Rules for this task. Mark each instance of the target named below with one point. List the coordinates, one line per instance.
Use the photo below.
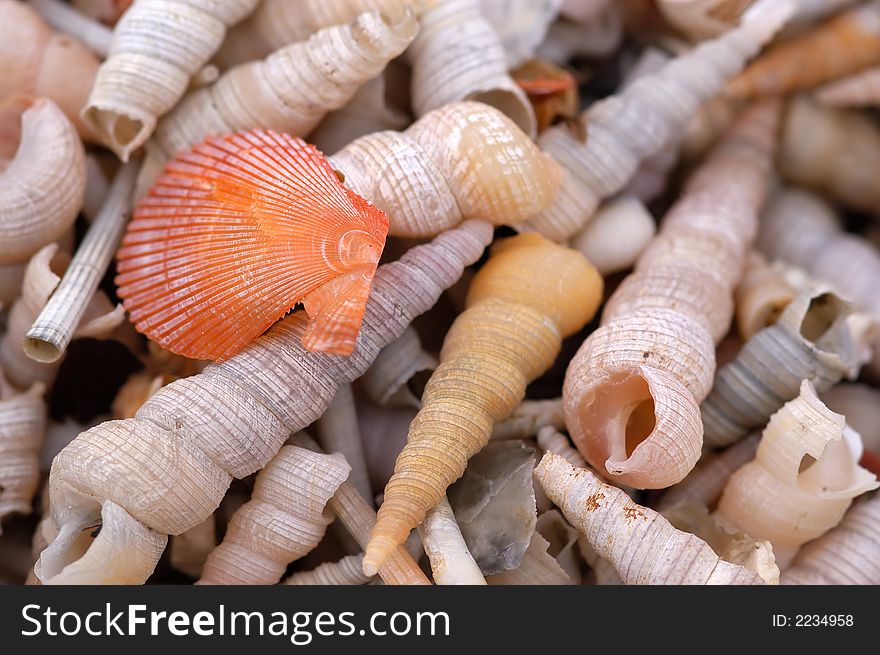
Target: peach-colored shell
(526, 298)
(34, 60)
(234, 234)
(169, 467)
(841, 45)
(632, 392)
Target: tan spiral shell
(191, 437)
(639, 543)
(346, 571)
(158, 45)
(283, 521)
(632, 392)
(801, 482)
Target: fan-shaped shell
(238, 231)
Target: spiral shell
(810, 341)
(619, 233)
(290, 91)
(451, 561)
(521, 25)
(283, 521)
(520, 305)
(42, 188)
(388, 380)
(346, 571)
(170, 466)
(700, 19)
(801, 482)
(339, 433)
(640, 544)
(761, 296)
(464, 160)
(841, 45)
(158, 45)
(193, 293)
(632, 392)
(22, 426)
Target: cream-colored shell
(387, 380)
(624, 129)
(860, 89)
(63, 17)
(700, 19)
(529, 418)
(42, 188)
(846, 554)
(346, 571)
(614, 239)
(170, 466)
(458, 56)
(801, 482)
(22, 426)
(762, 295)
(451, 561)
(520, 24)
(464, 160)
(188, 551)
(290, 91)
(810, 341)
(283, 521)
(158, 45)
(860, 404)
(337, 431)
(597, 35)
(642, 546)
(553, 441)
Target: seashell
(389, 380)
(761, 296)
(521, 25)
(193, 435)
(706, 480)
(338, 433)
(369, 110)
(383, 433)
(451, 561)
(638, 542)
(22, 426)
(189, 550)
(523, 302)
(41, 63)
(325, 242)
(733, 547)
(528, 419)
(810, 341)
(54, 327)
(551, 90)
(42, 188)
(134, 393)
(602, 571)
(701, 19)
(346, 571)
(465, 159)
(97, 186)
(106, 11)
(583, 11)
(838, 157)
(595, 36)
(860, 404)
(61, 16)
(809, 10)
(537, 567)
(290, 91)
(283, 521)
(805, 468)
(860, 89)
(458, 56)
(152, 57)
(563, 539)
(632, 392)
(278, 23)
(11, 276)
(624, 129)
(707, 124)
(837, 47)
(846, 554)
(494, 505)
(552, 440)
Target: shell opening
(77, 525)
(832, 472)
(625, 407)
(823, 311)
(511, 105)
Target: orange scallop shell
(235, 233)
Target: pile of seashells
(440, 291)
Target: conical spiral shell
(346, 571)
(458, 56)
(42, 188)
(278, 23)
(632, 392)
(624, 129)
(810, 341)
(839, 46)
(465, 159)
(642, 545)
(847, 554)
(529, 295)
(834, 151)
(158, 45)
(801, 482)
(236, 232)
(284, 520)
(290, 91)
(22, 427)
(169, 466)
(761, 296)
